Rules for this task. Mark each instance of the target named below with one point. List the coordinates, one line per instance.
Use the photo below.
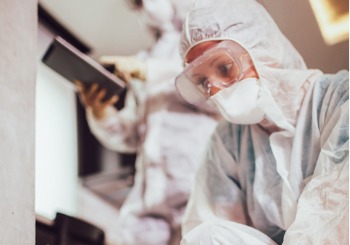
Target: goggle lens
(218, 67)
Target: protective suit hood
(280, 67)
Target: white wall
(56, 139)
(17, 115)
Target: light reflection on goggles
(220, 66)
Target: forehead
(199, 49)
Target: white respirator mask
(239, 103)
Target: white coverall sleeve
(323, 208)
(118, 130)
(216, 212)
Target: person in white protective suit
(168, 134)
(277, 169)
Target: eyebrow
(210, 64)
(213, 61)
(196, 75)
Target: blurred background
(74, 173)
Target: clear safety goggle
(220, 66)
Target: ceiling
(110, 27)
(107, 26)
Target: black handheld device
(73, 65)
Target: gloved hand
(93, 98)
(127, 67)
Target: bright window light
(333, 19)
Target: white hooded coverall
(168, 135)
(290, 186)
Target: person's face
(197, 51)
(220, 69)
(212, 66)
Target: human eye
(201, 83)
(225, 69)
